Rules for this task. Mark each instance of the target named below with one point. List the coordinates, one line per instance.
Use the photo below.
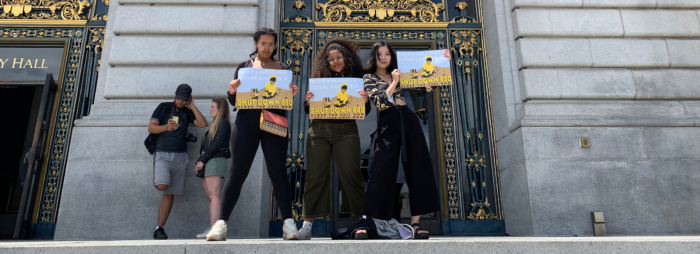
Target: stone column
(622, 73)
(152, 46)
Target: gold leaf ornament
(17, 9)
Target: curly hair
(349, 49)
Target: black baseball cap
(183, 92)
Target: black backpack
(152, 139)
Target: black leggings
(245, 137)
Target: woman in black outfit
(399, 137)
(245, 137)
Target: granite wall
(623, 73)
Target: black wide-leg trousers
(381, 188)
(245, 137)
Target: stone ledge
(609, 113)
(620, 3)
(684, 53)
(606, 4)
(604, 108)
(606, 52)
(530, 121)
(525, 245)
(546, 3)
(678, 4)
(200, 19)
(543, 52)
(626, 53)
(564, 83)
(567, 22)
(562, 143)
(129, 82)
(665, 23)
(677, 84)
(609, 83)
(172, 50)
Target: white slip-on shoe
(217, 232)
(304, 233)
(290, 230)
(203, 235)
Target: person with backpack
(168, 142)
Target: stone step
(524, 245)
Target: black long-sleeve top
(221, 141)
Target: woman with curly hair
(338, 139)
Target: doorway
(21, 107)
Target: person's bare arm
(199, 120)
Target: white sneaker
(217, 232)
(289, 230)
(304, 233)
(203, 235)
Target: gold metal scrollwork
(466, 41)
(299, 18)
(48, 9)
(463, 17)
(298, 42)
(381, 11)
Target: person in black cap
(171, 157)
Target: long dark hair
(264, 31)
(371, 66)
(348, 48)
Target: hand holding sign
(259, 89)
(424, 68)
(364, 95)
(309, 95)
(294, 89)
(447, 54)
(233, 86)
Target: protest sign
(424, 68)
(336, 98)
(264, 89)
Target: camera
(190, 138)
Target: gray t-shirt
(173, 141)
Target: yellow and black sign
(333, 98)
(264, 89)
(424, 68)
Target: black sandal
(361, 236)
(421, 235)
